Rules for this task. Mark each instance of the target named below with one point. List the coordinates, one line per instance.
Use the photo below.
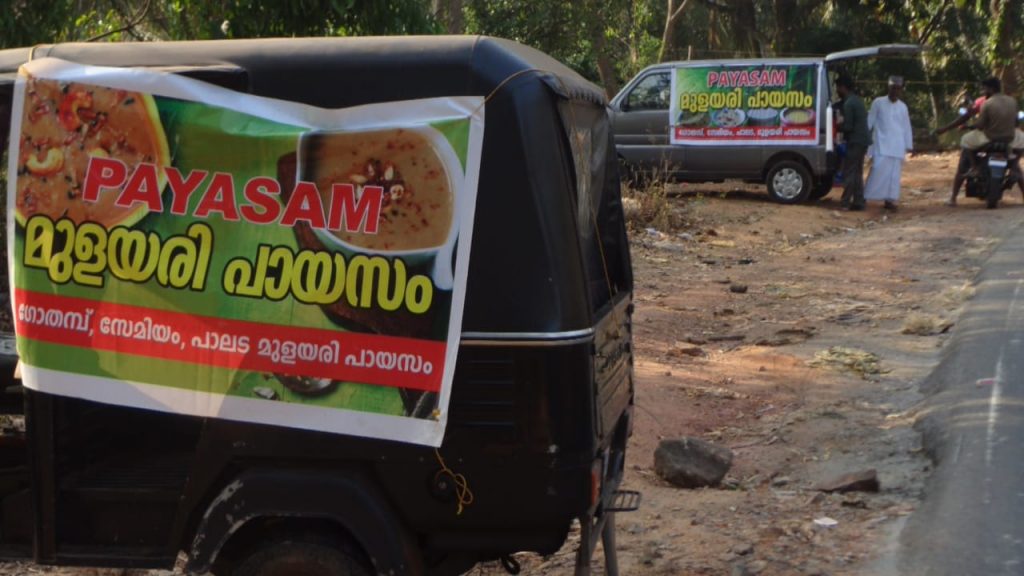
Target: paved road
(972, 518)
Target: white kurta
(892, 138)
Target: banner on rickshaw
(182, 247)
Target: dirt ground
(796, 336)
(738, 304)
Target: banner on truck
(756, 104)
(182, 247)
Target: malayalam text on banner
(728, 104)
(182, 247)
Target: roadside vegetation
(607, 41)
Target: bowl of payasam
(415, 169)
(66, 124)
(763, 117)
(797, 116)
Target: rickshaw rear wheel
(304, 554)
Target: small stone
(826, 522)
(738, 288)
(863, 481)
(756, 567)
(814, 569)
(691, 462)
(780, 481)
(743, 549)
(651, 552)
(726, 338)
(854, 501)
(748, 568)
(817, 498)
(695, 351)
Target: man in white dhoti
(892, 139)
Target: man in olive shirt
(858, 138)
(997, 121)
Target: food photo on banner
(186, 248)
(738, 104)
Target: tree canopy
(605, 40)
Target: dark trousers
(853, 175)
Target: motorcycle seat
(997, 146)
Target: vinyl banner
(747, 104)
(182, 247)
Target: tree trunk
(921, 37)
(714, 39)
(1004, 14)
(596, 13)
(744, 18)
(786, 15)
(668, 48)
(449, 14)
(456, 23)
(605, 68)
(933, 98)
(634, 37)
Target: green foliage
(605, 40)
(552, 26)
(28, 22)
(260, 19)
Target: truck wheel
(789, 182)
(305, 556)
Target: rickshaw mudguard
(347, 498)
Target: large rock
(691, 462)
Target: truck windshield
(650, 93)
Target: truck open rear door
(880, 51)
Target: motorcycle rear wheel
(995, 193)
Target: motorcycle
(996, 171)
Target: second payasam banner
(182, 247)
(725, 104)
